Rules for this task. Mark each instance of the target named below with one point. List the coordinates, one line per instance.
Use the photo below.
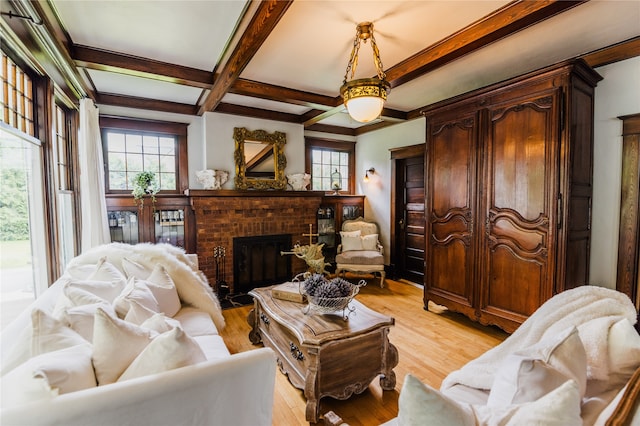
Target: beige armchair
(360, 250)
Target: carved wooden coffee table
(325, 355)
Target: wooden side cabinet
(508, 196)
(171, 221)
(333, 211)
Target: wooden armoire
(508, 194)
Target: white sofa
(575, 361)
(177, 369)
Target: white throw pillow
(138, 291)
(106, 271)
(101, 271)
(73, 296)
(164, 290)
(116, 343)
(48, 375)
(80, 272)
(137, 313)
(46, 334)
(50, 334)
(531, 373)
(420, 405)
(107, 290)
(357, 233)
(170, 350)
(160, 323)
(80, 318)
(351, 243)
(78, 296)
(134, 269)
(370, 242)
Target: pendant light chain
(353, 60)
(376, 58)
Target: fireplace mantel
(222, 215)
(252, 193)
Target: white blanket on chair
(192, 285)
(593, 310)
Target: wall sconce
(366, 174)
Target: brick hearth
(222, 215)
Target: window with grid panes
(62, 147)
(324, 162)
(16, 97)
(131, 152)
(323, 157)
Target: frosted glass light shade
(364, 98)
(365, 109)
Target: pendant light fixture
(364, 97)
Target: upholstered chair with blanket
(360, 250)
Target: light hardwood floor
(430, 345)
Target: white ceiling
(309, 48)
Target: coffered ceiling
(286, 60)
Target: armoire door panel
(454, 226)
(451, 197)
(452, 176)
(451, 276)
(521, 187)
(514, 289)
(528, 236)
(518, 152)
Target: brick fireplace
(222, 215)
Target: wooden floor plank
(430, 345)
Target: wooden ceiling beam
(246, 111)
(507, 20)
(264, 20)
(336, 130)
(145, 103)
(283, 94)
(618, 52)
(103, 60)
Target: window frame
(333, 145)
(179, 130)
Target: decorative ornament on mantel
(212, 179)
(336, 182)
(299, 181)
(145, 185)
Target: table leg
(254, 334)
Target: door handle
(401, 223)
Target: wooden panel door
(409, 235)
(451, 158)
(521, 177)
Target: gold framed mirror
(260, 159)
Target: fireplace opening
(257, 261)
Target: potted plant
(145, 184)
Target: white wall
(372, 150)
(219, 146)
(617, 94)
